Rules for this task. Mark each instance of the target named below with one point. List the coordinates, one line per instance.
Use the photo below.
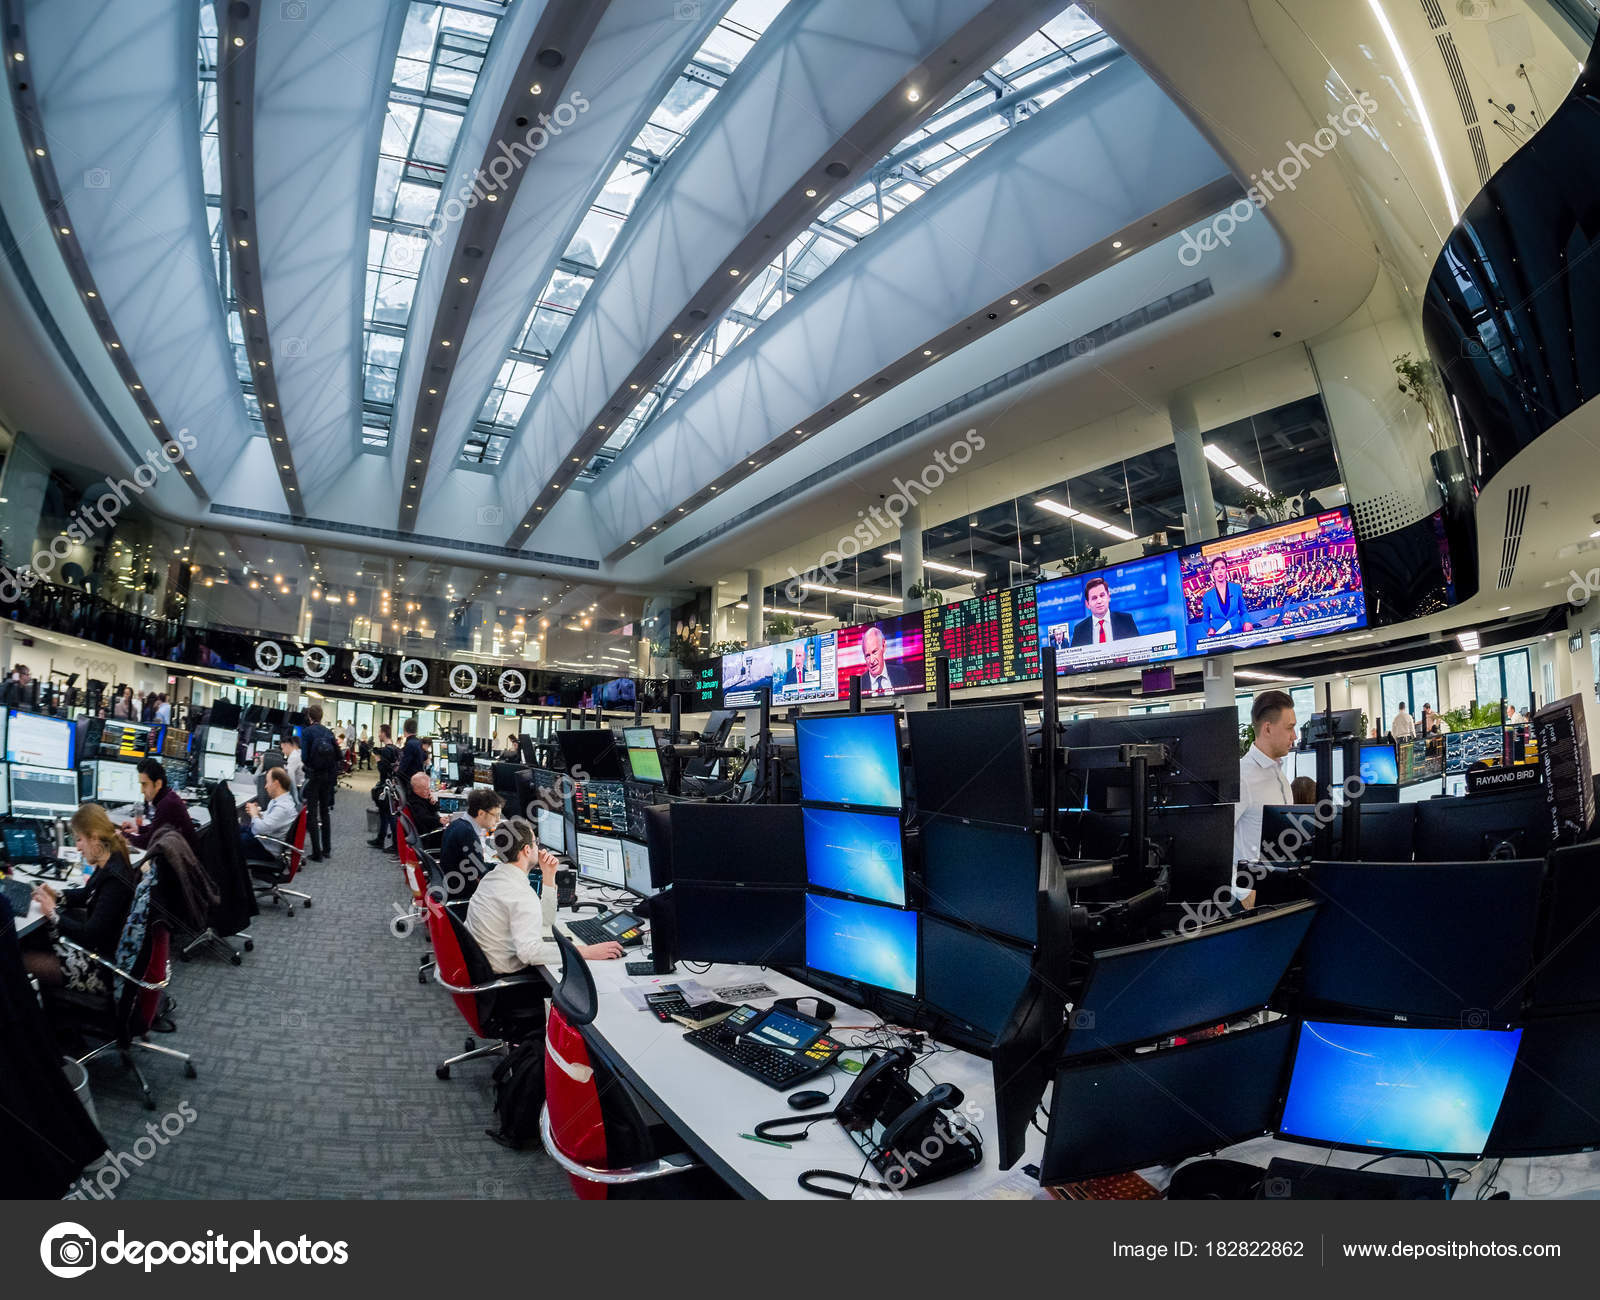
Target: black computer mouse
(807, 1100)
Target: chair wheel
(291, 909)
(149, 1102)
(249, 945)
(189, 1071)
(443, 1072)
(469, 1044)
(236, 959)
(306, 904)
(422, 976)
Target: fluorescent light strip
(1218, 457)
(1422, 111)
(1056, 508)
(939, 566)
(1242, 476)
(774, 609)
(1250, 675)
(849, 591)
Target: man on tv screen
(882, 677)
(1223, 606)
(1101, 624)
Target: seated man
(464, 851)
(276, 821)
(164, 805)
(509, 920)
(422, 805)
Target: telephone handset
(915, 1120)
(869, 1092)
(911, 1139)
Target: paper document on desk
(1014, 1186)
(693, 992)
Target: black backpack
(519, 1095)
(324, 754)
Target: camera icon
(490, 516)
(1276, 1189)
(1474, 1018)
(292, 11)
(686, 11)
(491, 1189)
(96, 178)
(1082, 1019)
(1473, 349)
(400, 924)
(294, 1019)
(68, 1250)
(292, 347)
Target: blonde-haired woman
(91, 916)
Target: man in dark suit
(882, 677)
(322, 760)
(1223, 607)
(412, 759)
(1101, 625)
(464, 853)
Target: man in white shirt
(293, 764)
(275, 821)
(1261, 775)
(1403, 727)
(163, 710)
(509, 920)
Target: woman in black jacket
(91, 916)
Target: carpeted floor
(316, 1060)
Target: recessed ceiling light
(633, 385)
(138, 388)
(254, 312)
(1116, 243)
(238, 40)
(261, 363)
(913, 95)
(927, 352)
(676, 335)
(38, 153)
(66, 230)
(733, 270)
(811, 194)
(18, 56)
(1014, 302)
(91, 294)
(855, 394)
(444, 343)
(115, 346)
(536, 89)
(244, 243)
(466, 280)
(493, 198)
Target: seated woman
(92, 915)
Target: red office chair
(594, 1125)
(416, 877)
(273, 878)
(121, 1021)
(461, 967)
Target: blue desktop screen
(1396, 1088)
(849, 759)
(855, 853)
(1378, 765)
(863, 942)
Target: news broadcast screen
(744, 674)
(991, 639)
(1275, 584)
(805, 671)
(886, 655)
(1127, 614)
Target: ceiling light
(17, 56)
(1116, 243)
(811, 194)
(244, 243)
(848, 591)
(1218, 457)
(1240, 475)
(38, 153)
(1252, 675)
(465, 280)
(1091, 521)
(434, 391)
(1014, 301)
(444, 343)
(1056, 508)
(676, 335)
(91, 294)
(927, 352)
(115, 346)
(536, 89)
(66, 230)
(733, 270)
(238, 40)
(635, 386)
(254, 312)
(913, 95)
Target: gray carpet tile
(316, 1060)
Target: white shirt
(1261, 781)
(1404, 726)
(510, 921)
(277, 818)
(164, 712)
(295, 766)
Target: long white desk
(710, 1104)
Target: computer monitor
(972, 976)
(1196, 843)
(1151, 990)
(1366, 1087)
(1289, 832)
(600, 860)
(738, 844)
(1340, 723)
(982, 875)
(593, 751)
(1481, 826)
(482, 771)
(123, 739)
(636, 868)
(849, 759)
(866, 943)
(1388, 831)
(5, 787)
(644, 754)
(972, 763)
(217, 767)
(1157, 1108)
(552, 829)
(719, 723)
(1022, 1062)
(855, 853)
(43, 791)
(38, 741)
(1548, 1108)
(116, 783)
(1567, 966)
(1378, 765)
(1204, 744)
(1445, 940)
(757, 927)
(1422, 791)
(222, 740)
(503, 776)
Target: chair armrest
(680, 1163)
(503, 982)
(101, 961)
(272, 839)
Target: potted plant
(780, 627)
(927, 594)
(1085, 560)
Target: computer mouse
(807, 1100)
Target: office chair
(593, 1124)
(462, 969)
(274, 877)
(121, 1021)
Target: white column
(1200, 524)
(754, 619)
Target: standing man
(1100, 624)
(1261, 776)
(364, 748)
(15, 691)
(388, 759)
(1403, 727)
(163, 710)
(412, 759)
(321, 758)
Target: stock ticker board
(991, 639)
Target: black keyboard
(774, 1067)
(594, 932)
